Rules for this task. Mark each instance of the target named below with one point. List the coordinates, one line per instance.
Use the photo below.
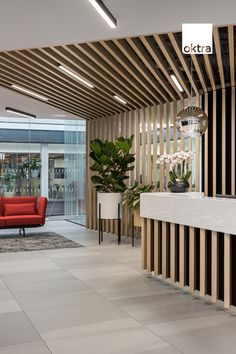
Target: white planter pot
(34, 173)
(109, 205)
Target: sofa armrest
(41, 208)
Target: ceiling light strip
(20, 113)
(120, 99)
(104, 12)
(174, 78)
(19, 88)
(71, 73)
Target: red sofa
(22, 212)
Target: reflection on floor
(95, 300)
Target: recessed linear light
(20, 113)
(180, 88)
(29, 92)
(120, 99)
(71, 73)
(104, 12)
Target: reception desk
(190, 240)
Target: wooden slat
(148, 154)
(206, 149)
(203, 263)
(149, 246)
(199, 72)
(161, 149)
(214, 143)
(232, 140)
(183, 61)
(143, 120)
(166, 52)
(182, 256)
(154, 151)
(214, 266)
(227, 270)
(223, 127)
(219, 56)
(173, 265)
(231, 54)
(144, 244)
(209, 71)
(164, 250)
(152, 49)
(192, 259)
(156, 248)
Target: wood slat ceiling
(136, 69)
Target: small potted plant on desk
(112, 162)
(180, 173)
(131, 198)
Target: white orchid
(179, 163)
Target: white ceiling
(34, 23)
(26, 104)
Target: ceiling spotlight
(120, 99)
(174, 78)
(104, 12)
(20, 113)
(77, 77)
(19, 88)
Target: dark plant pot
(178, 186)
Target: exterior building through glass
(45, 157)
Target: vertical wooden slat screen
(154, 133)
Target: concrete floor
(95, 300)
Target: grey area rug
(35, 242)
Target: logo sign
(197, 38)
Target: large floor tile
(16, 329)
(26, 348)
(205, 335)
(111, 337)
(91, 308)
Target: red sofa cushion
(2, 221)
(16, 200)
(20, 209)
(23, 220)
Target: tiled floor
(95, 300)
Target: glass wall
(75, 167)
(45, 157)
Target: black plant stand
(100, 225)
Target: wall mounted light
(120, 99)
(176, 82)
(19, 88)
(75, 76)
(104, 12)
(20, 113)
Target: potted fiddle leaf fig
(111, 163)
(131, 197)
